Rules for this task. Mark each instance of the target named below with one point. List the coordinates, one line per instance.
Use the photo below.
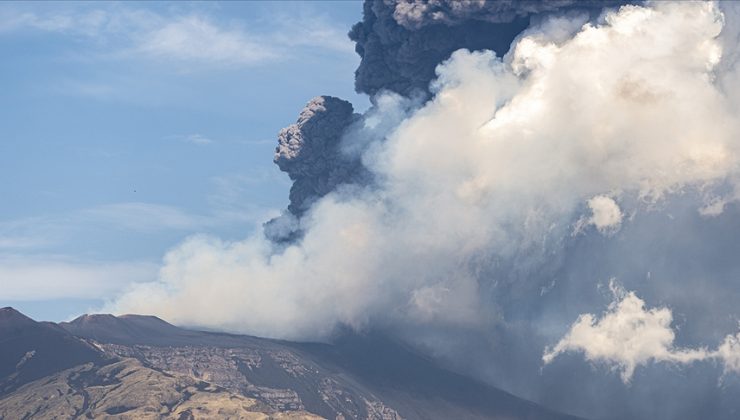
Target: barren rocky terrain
(140, 367)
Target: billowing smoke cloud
(595, 148)
(401, 43)
(398, 55)
(629, 335)
(310, 152)
(415, 14)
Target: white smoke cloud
(495, 168)
(729, 353)
(629, 335)
(606, 215)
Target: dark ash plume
(401, 43)
(309, 151)
(415, 14)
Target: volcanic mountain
(136, 366)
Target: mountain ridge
(357, 376)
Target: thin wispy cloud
(44, 277)
(88, 23)
(21, 242)
(257, 142)
(229, 203)
(33, 269)
(233, 196)
(197, 38)
(194, 138)
(145, 217)
(228, 206)
(199, 139)
(30, 233)
(312, 31)
(194, 38)
(51, 232)
(87, 88)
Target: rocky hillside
(134, 366)
(127, 389)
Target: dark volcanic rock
(30, 350)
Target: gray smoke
(483, 218)
(310, 152)
(415, 14)
(401, 43)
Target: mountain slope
(136, 366)
(359, 376)
(30, 350)
(126, 389)
(47, 372)
(416, 387)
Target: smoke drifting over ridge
(487, 216)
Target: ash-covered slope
(360, 376)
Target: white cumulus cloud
(628, 335)
(606, 215)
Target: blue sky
(127, 127)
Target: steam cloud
(475, 218)
(628, 335)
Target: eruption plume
(517, 156)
